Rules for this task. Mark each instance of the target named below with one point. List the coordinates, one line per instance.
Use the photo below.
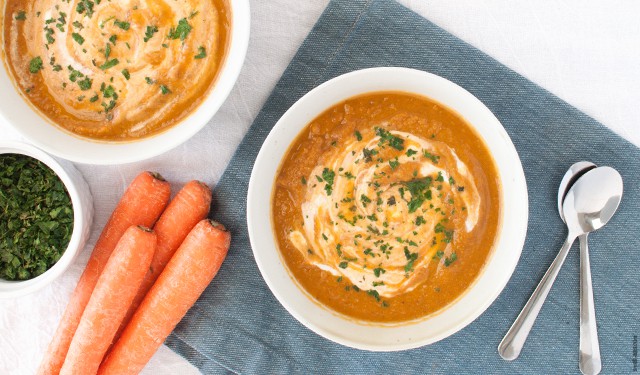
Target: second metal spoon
(590, 360)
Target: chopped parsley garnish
(75, 74)
(411, 152)
(149, 80)
(374, 294)
(109, 64)
(328, 175)
(434, 159)
(303, 180)
(94, 98)
(78, 38)
(113, 39)
(452, 258)
(368, 154)
(85, 7)
(148, 34)
(365, 200)
(85, 84)
(21, 16)
(165, 90)
(35, 65)
(358, 136)
(387, 138)
(411, 258)
(440, 178)
(349, 175)
(36, 219)
(343, 265)
(77, 25)
(126, 74)
(420, 220)
(202, 53)
(448, 234)
(378, 271)
(181, 31)
(124, 25)
(420, 191)
(394, 163)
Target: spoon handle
(590, 361)
(515, 338)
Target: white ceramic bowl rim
(488, 285)
(12, 289)
(19, 114)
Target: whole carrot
(185, 210)
(142, 203)
(111, 297)
(185, 277)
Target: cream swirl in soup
(378, 210)
(119, 69)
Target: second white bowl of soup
(114, 82)
(397, 209)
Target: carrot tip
(217, 225)
(202, 184)
(157, 176)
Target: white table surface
(587, 53)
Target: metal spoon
(588, 206)
(590, 361)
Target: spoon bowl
(573, 174)
(592, 200)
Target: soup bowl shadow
(498, 268)
(16, 111)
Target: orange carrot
(185, 277)
(111, 297)
(141, 204)
(186, 209)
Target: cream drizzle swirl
(369, 230)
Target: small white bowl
(17, 112)
(494, 276)
(82, 203)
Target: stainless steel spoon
(589, 360)
(588, 206)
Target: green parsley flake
(202, 53)
(35, 65)
(109, 64)
(181, 31)
(124, 25)
(387, 138)
(165, 90)
(85, 84)
(21, 16)
(78, 38)
(126, 74)
(151, 30)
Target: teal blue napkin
(238, 326)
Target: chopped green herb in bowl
(46, 211)
(36, 217)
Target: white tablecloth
(587, 53)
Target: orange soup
(115, 70)
(386, 207)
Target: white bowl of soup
(387, 209)
(118, 81)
